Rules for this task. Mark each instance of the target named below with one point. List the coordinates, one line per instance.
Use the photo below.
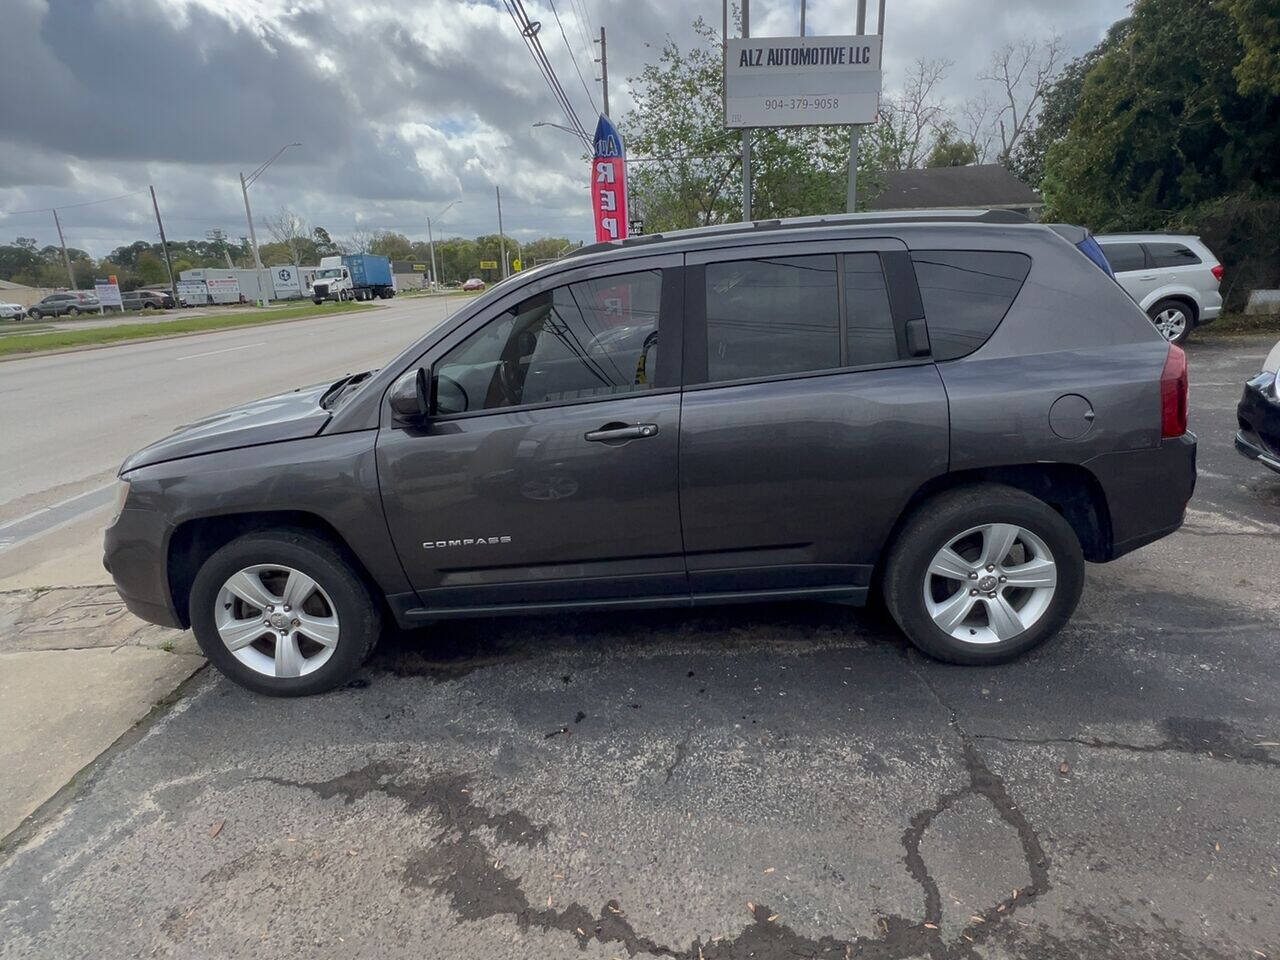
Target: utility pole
(851, 202)
(746, 134)
(66, 261)
(502, 240)
(432, 244)
(604, 72)
(253, 239)
(802, 17)
(168, 263)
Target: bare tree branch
(1022, 72)
(290, 229)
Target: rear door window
(966, 294)
(1171, 255)
(772, 316)
(1124, 256)
(869, 320)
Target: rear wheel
(283, 613)
(1172, 318)
(983, 574)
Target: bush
(1243, 229)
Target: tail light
(1217, 272)
(1173, 394)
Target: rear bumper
(1147, 491)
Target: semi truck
(361, 276)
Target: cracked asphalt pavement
(773, 781)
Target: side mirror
(409, 397)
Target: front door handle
(621, 432)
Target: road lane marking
(211, 353)
(50, 518)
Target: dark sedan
(1259, 414)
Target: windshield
(331, 272)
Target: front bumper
(134, 550)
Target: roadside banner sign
(286, 283)
(488, 264)
(609, 183)
(801, 81)
(109, 294)
(419, 268)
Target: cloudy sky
(400, 106)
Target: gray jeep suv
(954, 409)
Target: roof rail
(799, 223)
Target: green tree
(1161, 123)
(393, 246)
(950, 150)
(1061, 101)
(1258, 24)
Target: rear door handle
(618, 432)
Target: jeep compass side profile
(956, 409)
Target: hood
(286, 416)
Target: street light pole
(435, 277)
(245, 184)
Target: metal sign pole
(851, 201)
(746, 134)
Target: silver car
(1174, 278)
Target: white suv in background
(1173, 278)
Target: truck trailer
(361, 276)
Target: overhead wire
(529, 33)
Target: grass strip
(64, 339)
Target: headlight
(121, 494)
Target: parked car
(12, 311)
(1258, 414)
(147, 300)
(1174, 278)
(800, 409)
(67, 304)
(475, 283)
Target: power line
(573, 57)
(68, 206)
(581, 18)
(529, 32)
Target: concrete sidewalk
(77, 670)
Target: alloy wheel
(276, 620)
(1171, 322)
(990, 583)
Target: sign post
(609, 183)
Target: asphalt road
(71, 418)
(767, 781)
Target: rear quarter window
(966, 294)
(1171, 255)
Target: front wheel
(1172, 318)
(73, 312)
(34, 314)
(982, 574)
(283, 613)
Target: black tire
(34, 314)
(1188, 315)
(934, 524)
(317, 302)
(73, 312)
(358, 613)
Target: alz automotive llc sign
(609, 183)
(801, 81)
